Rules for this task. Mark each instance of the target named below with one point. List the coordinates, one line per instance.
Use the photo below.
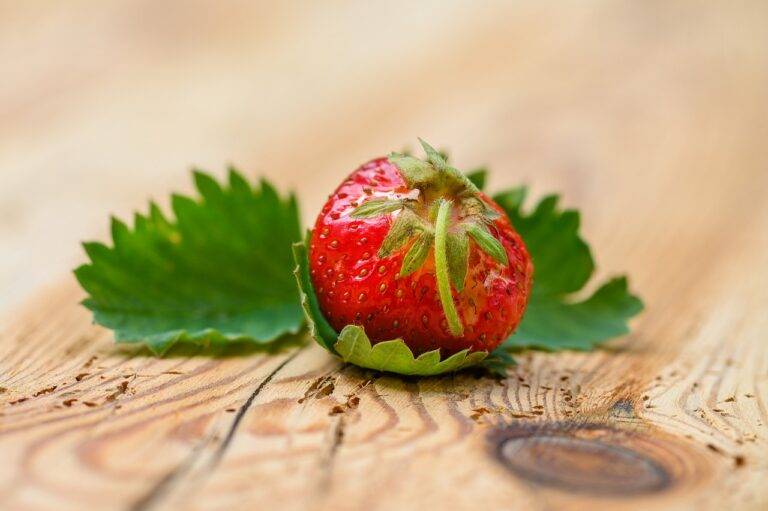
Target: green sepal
(487, 242)
(442, 270)
(415, 171)
(434, 156)
(319, 328)
(395, 356)
(405, 225)
(489, 214)
(451, 175)
(376, 207)
(457, 252)
(417, 254)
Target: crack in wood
(337, 431)
(219, 454)
(165, 485)
(336, 440)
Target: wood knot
(593, 459)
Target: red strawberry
(412, 249)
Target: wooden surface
(651, 117)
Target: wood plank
(649, 118)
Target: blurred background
(106, 104)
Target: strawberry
(412, 249)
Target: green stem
(441, 269)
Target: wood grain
(649, 117)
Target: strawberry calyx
(442, 214)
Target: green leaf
(562, 259)
(487, 242)
(376, 207)
(563, 265)
(394, 356)
(551, 324)
(319, 328)
(478, 177)
(217, 271)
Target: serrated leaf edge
(364, 354)
(513, 200)
(162, 342)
